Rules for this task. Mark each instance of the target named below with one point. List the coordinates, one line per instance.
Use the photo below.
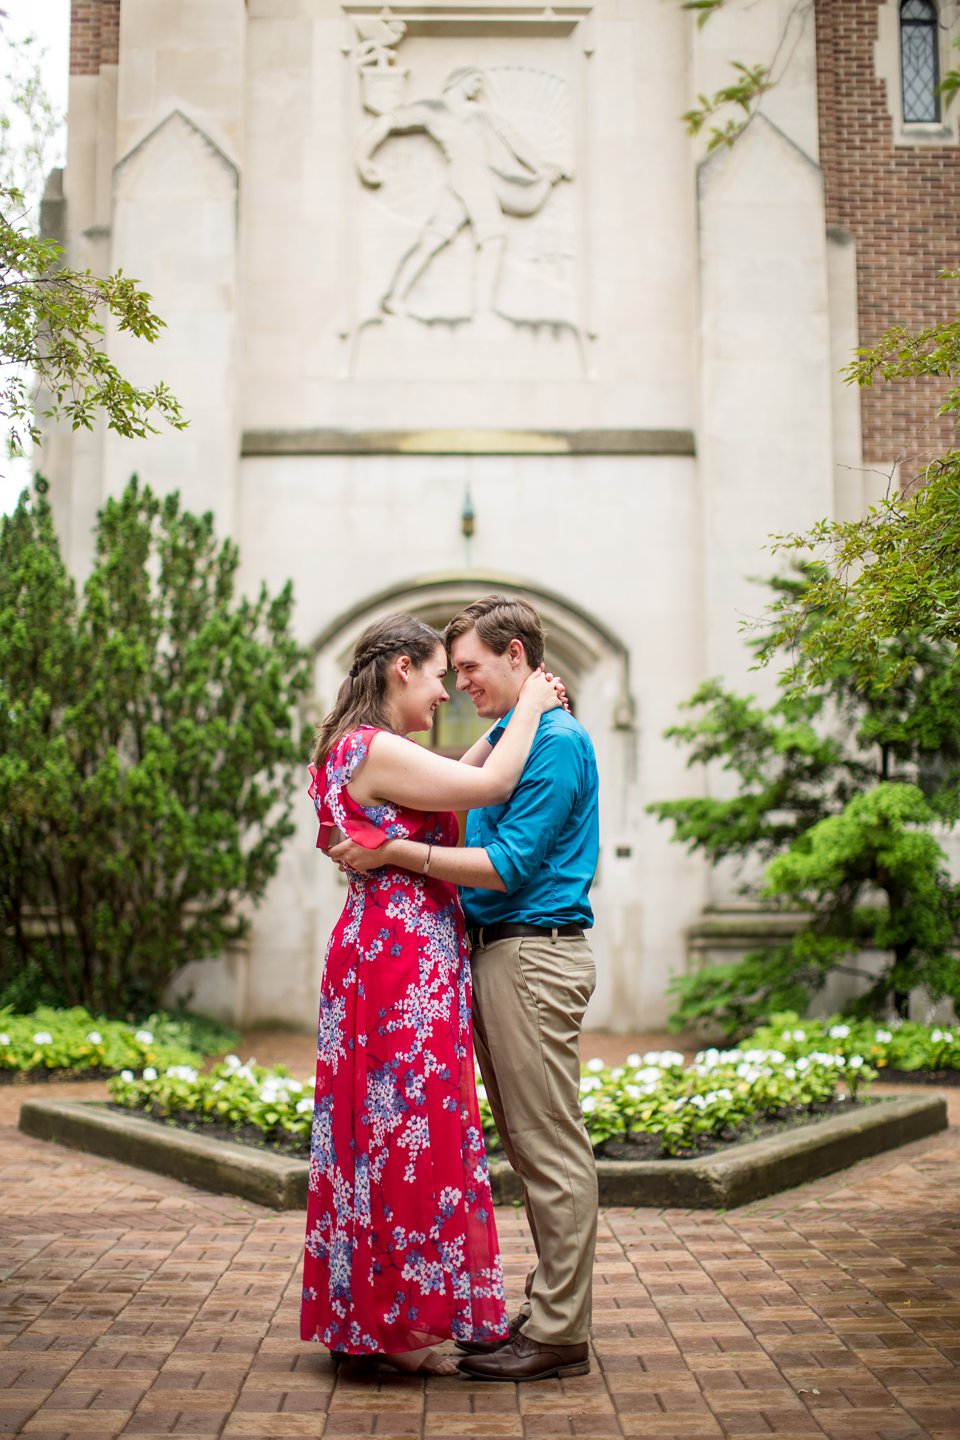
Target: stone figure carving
(381, 79)
(376, 37)
(491, 171)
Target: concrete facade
(640, 395)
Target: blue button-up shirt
(544, 842)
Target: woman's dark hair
(362, 698)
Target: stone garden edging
(730, 1177)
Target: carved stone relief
(467, 212)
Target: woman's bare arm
(397, 772)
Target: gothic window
(919, 65)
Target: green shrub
(148, 746)
(76, 1041)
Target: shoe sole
(581, 1367)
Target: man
(526, 872)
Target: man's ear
(516, 653)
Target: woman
(401, 1247)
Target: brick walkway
(136, 1306)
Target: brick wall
(94, 35)
(901, 204)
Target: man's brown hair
(498, 619)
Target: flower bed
(722, 1096)
(907, 1047)
(61, 1044)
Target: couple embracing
(401, 1246)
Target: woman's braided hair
(363, 696)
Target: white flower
(127, 1075)
(699, 1100)
(633, 1091)
(293, 1085)
(218, 1085)
(595, 1065)
(801, 1063)
(588, 1104)
(4, 1039)
(854, 1062)
(797, 1035)
(303, 1106)
(144, 1037)
(42, 1037)
(95, 1037)
(233, 1062)
(181, 1072)
(588, 1083)
(634, 1059)
(838, 1032)
(882, 1036)
(149, 1073)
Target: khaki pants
(528, 1001)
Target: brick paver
(136, 1306)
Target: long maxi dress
(401, 1245)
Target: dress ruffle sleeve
(368, 825)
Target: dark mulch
(35, 1077)
(918, 1077)
(634, 1147)
(296, 1147)
(637, 1146)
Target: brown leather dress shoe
(487, 1347)
(525, 1359)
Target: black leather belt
(489, 934)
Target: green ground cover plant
(721, 1096)
(52, 1041)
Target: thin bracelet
(426, 863)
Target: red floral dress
(401, 1247)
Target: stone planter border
(734, 1176)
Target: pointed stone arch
(578, 643)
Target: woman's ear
(402, 667)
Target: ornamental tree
(841, 788)
(148, 739)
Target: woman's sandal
(432, 1363)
